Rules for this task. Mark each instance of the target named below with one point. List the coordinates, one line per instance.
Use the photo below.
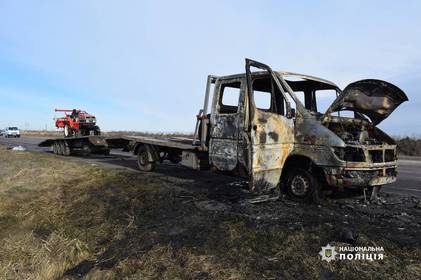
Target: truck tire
(303, 185)
(143, 156)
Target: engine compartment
(357, 131)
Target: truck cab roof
(292, 79)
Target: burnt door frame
(271, 133)
(225, 128)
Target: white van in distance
(11, 132)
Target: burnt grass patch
(85, 222)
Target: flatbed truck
(266, 126)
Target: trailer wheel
(303, 185)
(66, 149)
(86, 150)
(55, 151)
(143, 156)
(61, 148)
(56, 148)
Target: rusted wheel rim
(300, 185)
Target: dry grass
(26, 256)
(42, 133)
(65, 219)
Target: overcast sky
(142, 65)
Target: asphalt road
(408, 183)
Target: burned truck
(283, 141)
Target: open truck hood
(375, 99)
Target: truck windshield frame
(305, 83)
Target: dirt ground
(71, 220)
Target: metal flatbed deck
(174, 142)
(92, 139)
(67, 145)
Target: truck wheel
(143, 155)
(303, 185)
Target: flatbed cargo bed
(181, 143)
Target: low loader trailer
(67, 146)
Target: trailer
(71, 145)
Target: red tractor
(77, 123)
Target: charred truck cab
(265, 126)
(284, 141)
